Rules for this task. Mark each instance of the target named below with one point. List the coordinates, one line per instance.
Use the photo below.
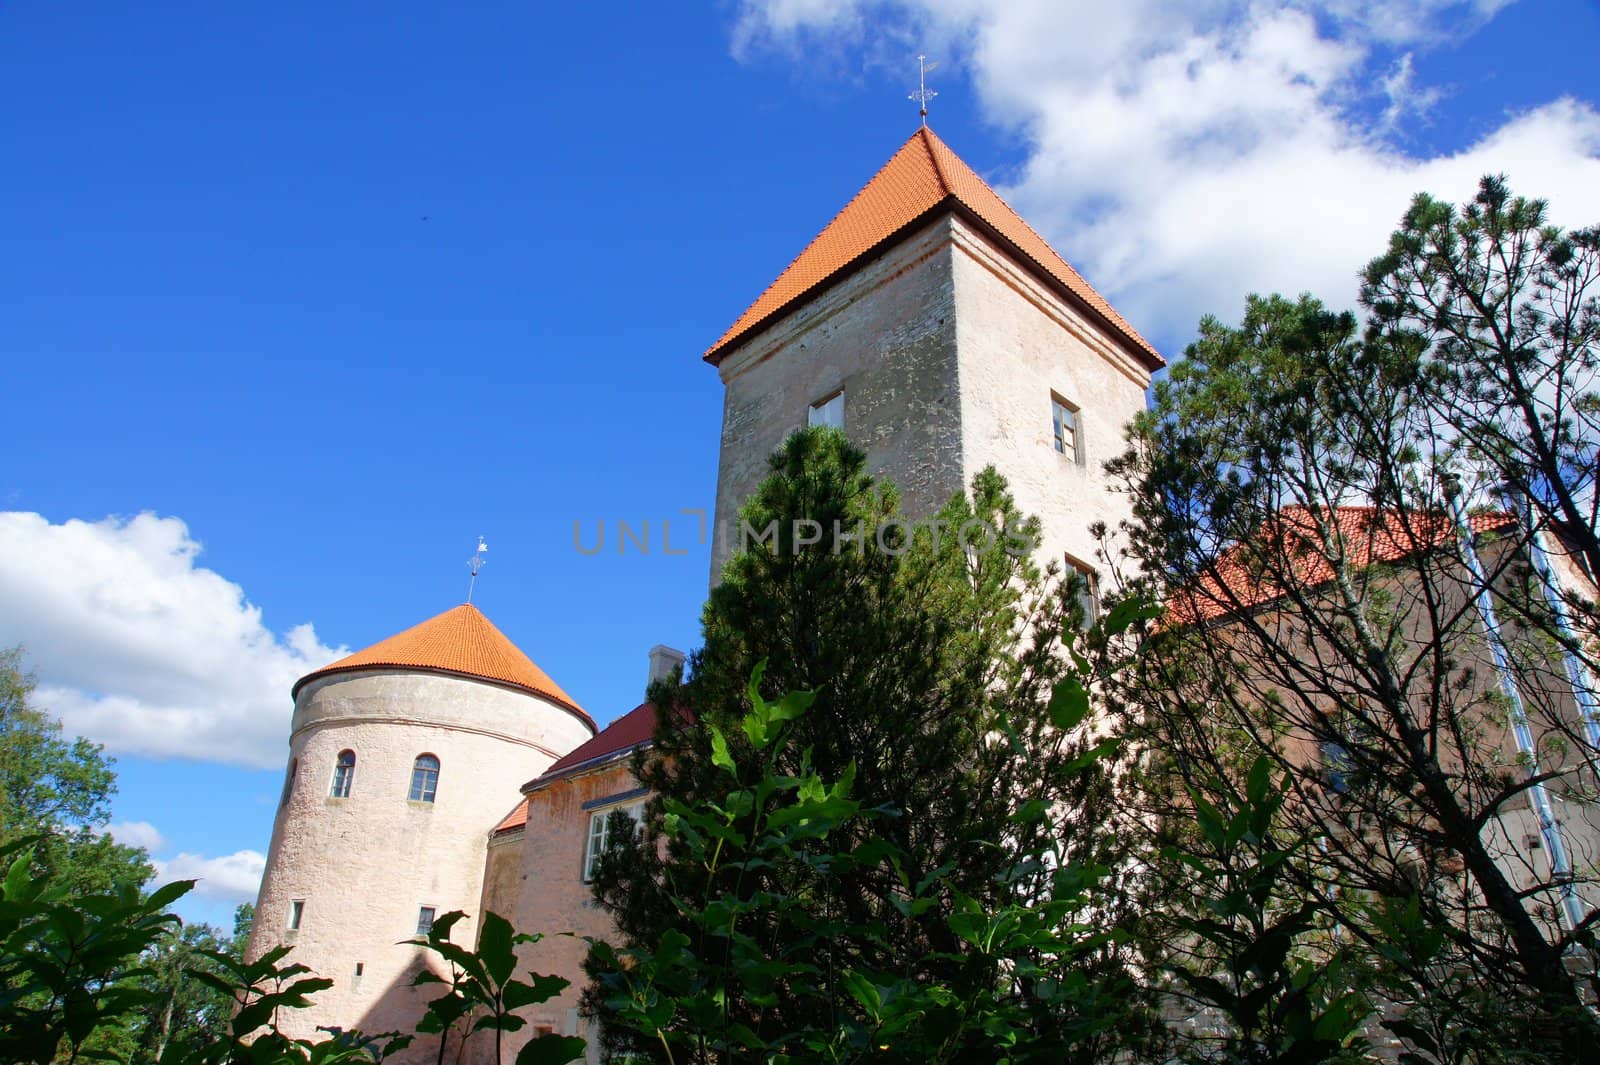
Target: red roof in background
(630, 730)
(515, 819)
(1370, 536)
(463, 641)
(922, 175)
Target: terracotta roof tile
(630, 730)
(1370, 537)
(463, 641)
(515, 819)
(922, 175)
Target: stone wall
(949, 352)
(554, 898)
(886, 335)
(1020, 343)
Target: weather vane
(923, 93)
(476, 563)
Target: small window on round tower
(424, 778)
(288, 781)
(344, 773)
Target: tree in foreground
(931, 669)
(739, 943)
(1292, 488)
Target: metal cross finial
(923, 93)
(476, 563)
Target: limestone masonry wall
(1019, 344)
(886, 335)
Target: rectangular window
(1336, 767)
(599, 828)
(1085, 590)
(297, 910)
(344, 771)
(1064, 422)
(828, 411)
(425, 920)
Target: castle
(930, 323)
(441, 769)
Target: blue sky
(298, 300)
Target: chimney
(663, 660)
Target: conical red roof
(924, 175)
(462, 641)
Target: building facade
(399, 756)
(931, 324)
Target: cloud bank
(231, 878)
(138, 647)
(137, 834)
(1185, 152)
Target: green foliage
(259, 991)
(1276, 460)
(482, 992)
(1258, 952)
(57, 792)
(743, 942)
(184, 1011)
(115, 977)
(1502, 308)
(61, 958)
(931, 666)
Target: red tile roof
(1370, 536)
(461, 641)
(924, 175)
(632, 729)
(515, 819)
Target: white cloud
(139, 648)
(231, 878)
(137, 834)
(1185, 152)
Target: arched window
(424, 778)
(344, 771)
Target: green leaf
(19, 876)
(792, 705)
(1069, 703)
(865, 992)
(1125, 613)
(542, 989)
(719, 750)
(1259, 783)
(167, 894)
(494, 947)
(552, 1050)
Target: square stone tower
(943, 334)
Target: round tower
(401, 761)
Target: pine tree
(924, 653)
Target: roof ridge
(928, 139)
(1012, 211)
(922, 177)
(862, 191)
